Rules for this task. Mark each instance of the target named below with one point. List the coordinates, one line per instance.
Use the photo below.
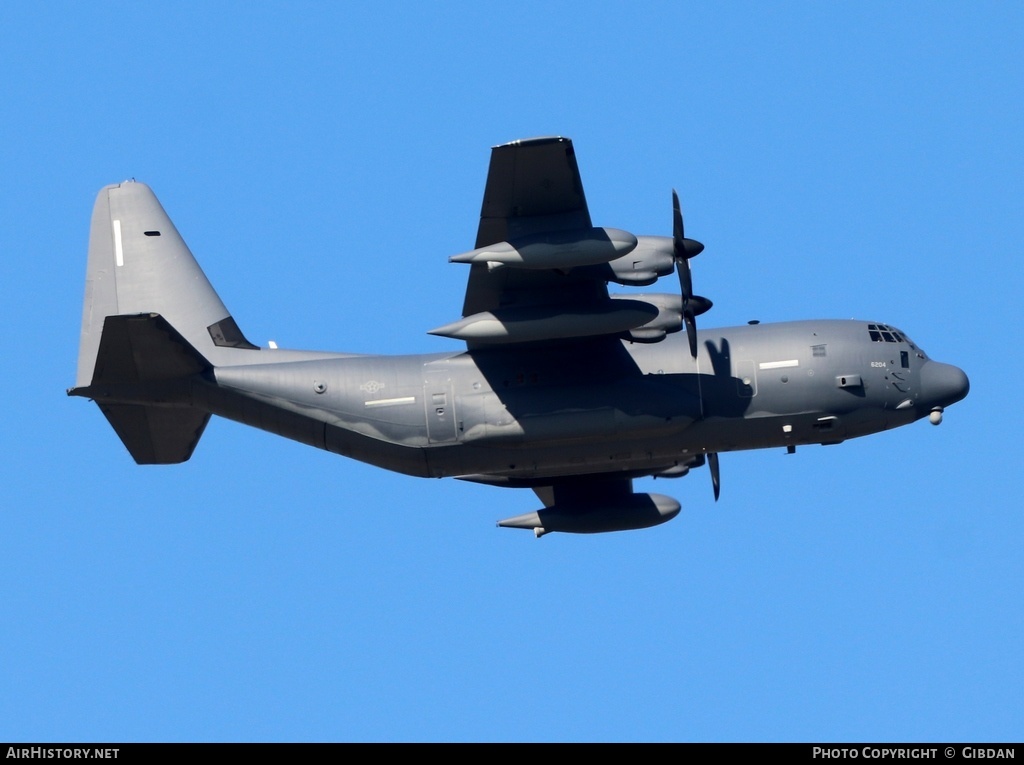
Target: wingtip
(536, 141)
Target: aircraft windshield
(883, 333)
(880, 333)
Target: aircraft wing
(533, 188)
(540, 268)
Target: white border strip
(118, 251)
(778, 364)
(391, 401)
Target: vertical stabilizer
(138, 263)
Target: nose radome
(942, 384)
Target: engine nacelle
(558, 250)
(635, 511)
(669, 318)
(651, 259)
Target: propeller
(716, 478)
(682, 250)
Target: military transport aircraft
(562, 388)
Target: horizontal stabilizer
(156, 435)
(143, 348)
(142, 384)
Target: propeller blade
(682, 250)
(716, 478)
(685, 279)
(677, 219)
(691, 328)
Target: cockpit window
(880, 333)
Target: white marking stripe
(778, 364)
(118, 252)
(391, 401)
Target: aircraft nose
(942, 384)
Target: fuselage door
(899, 376)
(440, 405)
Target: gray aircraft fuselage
(506, 415)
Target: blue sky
(840, 160)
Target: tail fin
(151, 322)
(138, 263)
